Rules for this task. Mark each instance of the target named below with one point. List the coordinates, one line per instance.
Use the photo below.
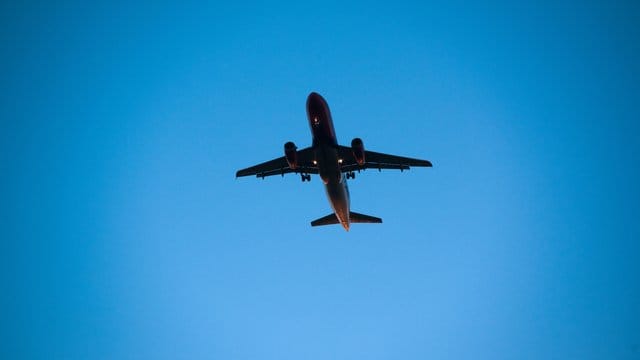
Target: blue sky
(126, 235)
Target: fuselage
(326, 155)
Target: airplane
(334, 163)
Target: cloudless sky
(125, 235)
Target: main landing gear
(350, 175)
(305, 177)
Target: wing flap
(380, 161)
(380, 158)
(379, 166)
(279, 166)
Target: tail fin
(354, 217)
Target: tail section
(354, 217)
(330, 219)
(362, 218)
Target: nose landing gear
(305, 177)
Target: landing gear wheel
(305, 177)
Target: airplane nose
(314, 98)
(315, 104)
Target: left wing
(375, 160)
(279, 166)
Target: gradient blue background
(126, 236)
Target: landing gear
(351, 175)
(305, 177)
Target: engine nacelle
(291, 154)
(357, 147)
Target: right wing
(279, 166)
(376, 160)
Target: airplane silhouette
(334, 163)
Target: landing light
(315, 162)
(339, 161)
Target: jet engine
(291, 154)
(357, 147)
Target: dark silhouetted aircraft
(334, 163)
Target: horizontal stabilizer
(326, 220)
(362, 218)
(354, 217)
